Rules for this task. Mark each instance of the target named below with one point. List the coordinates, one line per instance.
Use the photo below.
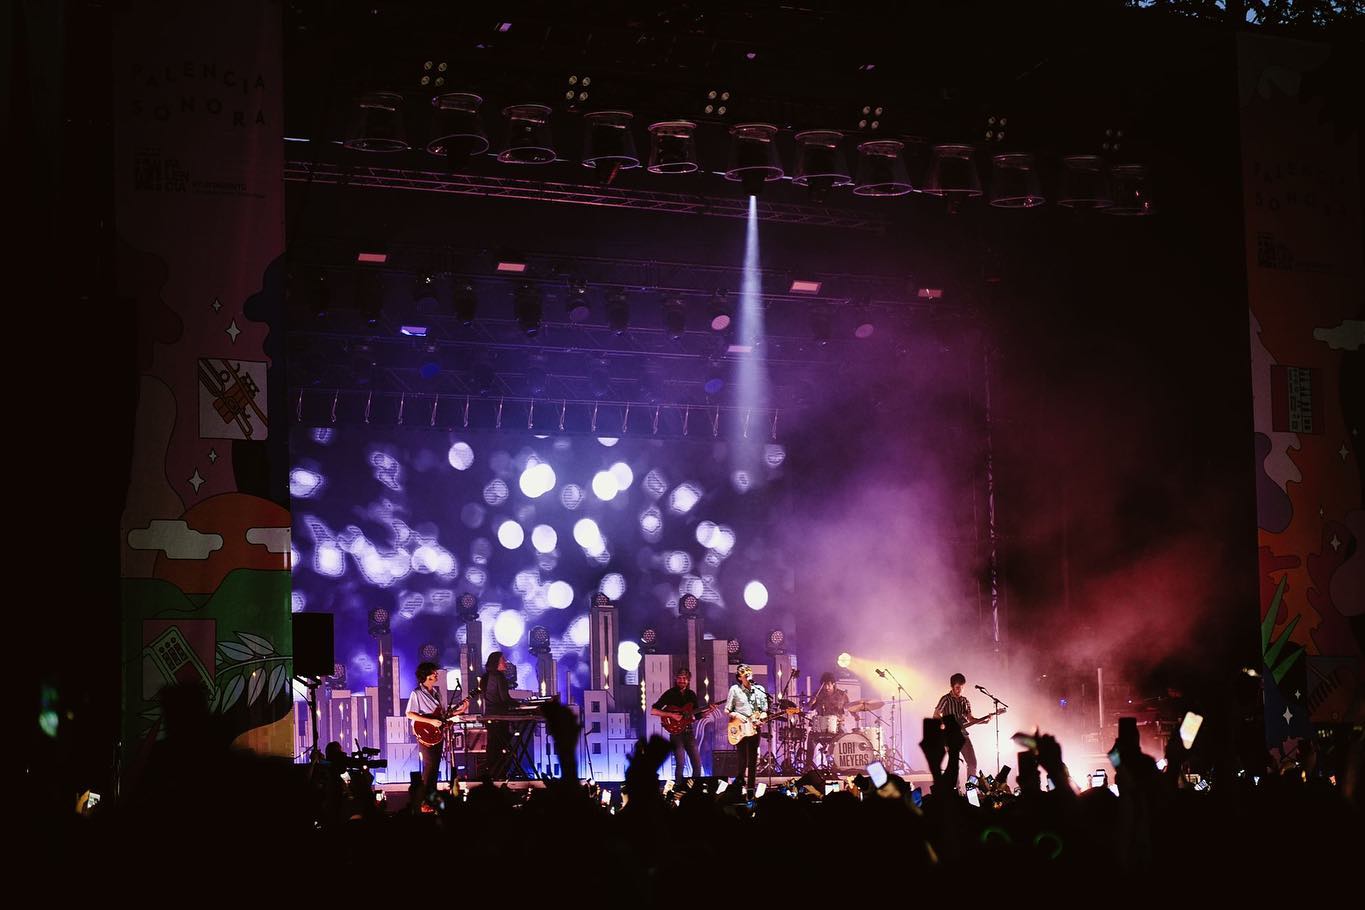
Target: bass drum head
(853, 752)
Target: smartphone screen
(760, 790)
(973, 798)
(917, 796)
(877, 771)
(722, 786)
(1189, 728)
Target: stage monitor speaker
(725, 762)
(313, 652)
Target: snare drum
(830, 724)
(853, 752)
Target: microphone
(882, 674)
(981, 688)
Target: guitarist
(680, 702)
(424, 704)
(954, 704)
(747, 702)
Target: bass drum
(827, 724)
(853, 753)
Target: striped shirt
(957, 706)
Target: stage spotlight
(608, 145)
(689, 605)
(467, 607)
(539, 640)
(820, 164)
(777, 642)
(732, 648)
(577, 307)
(338, 678)
(672, 148)
(952, 173)
(528, 135)
(430, 367)
(881, 172)
(429, 652)
(1014, 182)
(1085, 185)
(821, 323)
(465, 303)
(379, 621)
(456, 130)
(1130, 192)
(377, 124)
(318, 293)
(675, 318)
(753, 156)
(714, 382)
(720, 314)
(617, 310)
(844, 660)
(649, 641)
(527, 307)
(601, 601)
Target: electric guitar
(982, 720)
(680, 719)
(745, 727)
(429, 733)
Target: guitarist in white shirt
(954, 704)
(747, 705)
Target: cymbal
(856, 706)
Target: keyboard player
(497, 699)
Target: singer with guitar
(954, 704)
(748, 708)
(428, 716)
(678, 709)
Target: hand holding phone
(877, 771)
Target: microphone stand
(897, 726)
(998, 705)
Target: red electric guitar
(429, 734)
(680, 719)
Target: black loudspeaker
(725, 763)
(313, 652)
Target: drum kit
(805, 741)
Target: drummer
(827, 709)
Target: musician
(672, 703)
(830, 701)
(747, 701)
(424, 704)
(497, 699)
(955, 704)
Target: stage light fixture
(576, 307)
(881, 170)
(425, 290)
(429, 652)
(539, 640)
(467, 607)
(689, 605)
(1014, 182)
(753, 156)
(601, 601)
(777, 642)
(528, 135)
(952, 173)
(430, 366)
(675, 318)
(820, 163)
(804, 286)
(649, 641)
(844, 660)
(376, 124)
(617, 310)
(608, 145)
(672, 147)
(456, 129)
(732, 648)
(1085, 183)
(379, 621)
(720, 313)
(1130, 191)
(528, 307)
(465, 303)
